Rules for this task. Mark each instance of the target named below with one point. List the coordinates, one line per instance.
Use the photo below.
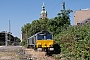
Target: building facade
(81, 16)
(6, 38)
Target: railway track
(21, 53)
(38, 55)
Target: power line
(56, 5)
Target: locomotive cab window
(48, 36)
(40, 37)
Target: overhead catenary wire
(55, 7)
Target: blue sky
(20, 12)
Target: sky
(20, 12)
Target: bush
(75, 41)
(24, 43)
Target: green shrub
(24, 43)
(75, 42)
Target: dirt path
(8, 56)
(38, 55)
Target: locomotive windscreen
(48, 36)
(40, 37)
(44, 36)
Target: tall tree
(43, 23)
(25, 30)
(35, 27)
(61, 21)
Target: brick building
(81, 16)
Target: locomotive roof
(42, 32)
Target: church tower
(43, 13)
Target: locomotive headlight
(51, 49)
(51, 45)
